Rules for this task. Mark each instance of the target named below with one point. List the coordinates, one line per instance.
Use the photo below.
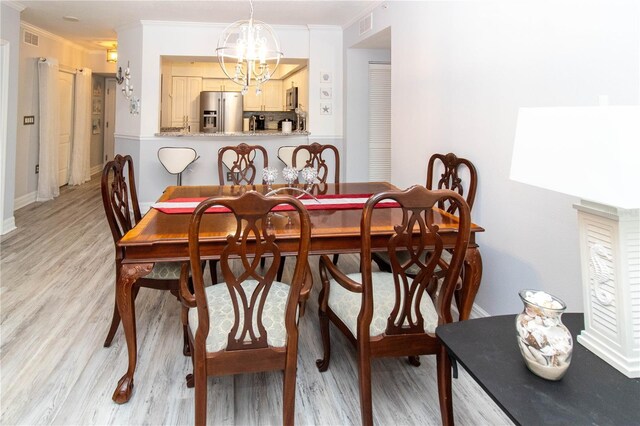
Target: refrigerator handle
(220, 116)
(224, 108)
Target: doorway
(65, 114)
(109, 119)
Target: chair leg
(213, 268)
(323, 364)
(200, 379)
(364, 378)
(281, 269)
(335, 258)
(289, 388)
(115, 322)
(444, 386)
(414, 360)
(382, 265)
(186, 349)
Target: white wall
(460, 71)
(69, 55)
(144, 43)
(356, 125)
(10, 33)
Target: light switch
(28, 120)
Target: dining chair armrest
(186, 297)
(326, 264)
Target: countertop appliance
(293, 125)
(260, 122)
(292, 98)
(220, 112)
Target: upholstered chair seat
(346, 304)
(221, 314)
(165, 271)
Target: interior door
(65, 112)
(109, 119)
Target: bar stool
(175, 159)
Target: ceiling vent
(30, 38)
(366, 24)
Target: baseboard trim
(24, 200)
(9, 225)
(478, 312)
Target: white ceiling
(98, 20)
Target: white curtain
(81, 145)
(49, 132)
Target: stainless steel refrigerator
(220, 112)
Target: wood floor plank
(56, 300)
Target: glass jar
(545, 343)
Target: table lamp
(594, 153)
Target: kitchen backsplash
(271, 117)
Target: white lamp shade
(589, 152)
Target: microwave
(292, 98)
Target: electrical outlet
(37, 168)
(229, 177)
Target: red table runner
(326, 202)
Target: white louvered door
(379, 122)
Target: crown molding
(15, 5)
(219, 25)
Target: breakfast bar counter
(257, 133)
(152, 177)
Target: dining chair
(120, 202)
(251, 323)
(391, 314)
(239, 161)
(444, 171)
(176, 159)
(312, 155)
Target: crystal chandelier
(252, 50)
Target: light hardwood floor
(57, 286)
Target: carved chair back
(417, 235)
(119, 196)
(316, 159)
(239, 160)
(452, 169)
(248, 289)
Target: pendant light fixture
(251, 49)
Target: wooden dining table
(163, 237)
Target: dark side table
(591, 392)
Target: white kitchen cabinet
(185, 102)
(220, 85)
(271, 98)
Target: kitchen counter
(257, 133)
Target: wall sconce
(112, 55)
(127, 90)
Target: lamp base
(602, 348)
(610, 258)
